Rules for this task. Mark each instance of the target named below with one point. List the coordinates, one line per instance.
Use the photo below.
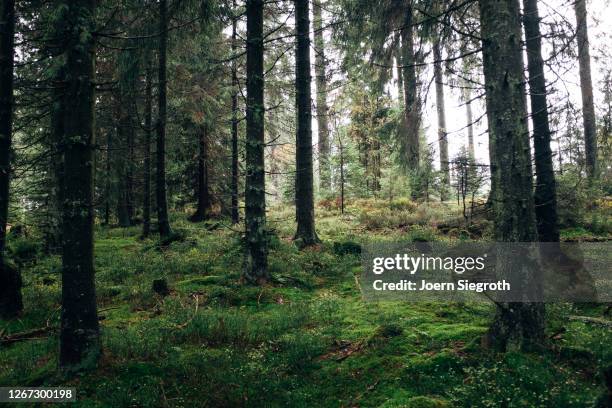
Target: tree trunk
(322, 109)
(108, 177)
(470, 124)
(304, 196)
(203, 194)
(411, 111)
(160, 185)
(121, 161)
(586, 87)
(235, 213)
(398, 60)
(10, 279)
(79, 336)
(146, 202)
(341, 148)
(442, 134)
(256, 262)
(515, 324)
(545, 191)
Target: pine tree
(10, 279)
(515, 324)
(79, 335)
(256, 263)
(304, 195)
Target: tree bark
(399, 70)
(203, 194)
(121, 165)
(10, 279)
(442, 133)
(108, 177)
(411, 110)
(322, 109)
(586, 87)
(515, 324)
(160, 185)
(146, 202)
(234, 187)
(256, 260)
(545, 190)
(304, 195)
(79, 336)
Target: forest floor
(308, 339)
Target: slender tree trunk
(79, 335)
(545, 190)
(54, 237)
(146, 202)
(411, 111)
(235, 213)
(160, 185)
(470, 124)
(516, 324)
(322, 109)
(442, 133)
(586, 87)
(108, 177)
(203, 193)
(341, 147)
(256, 262)
(121, 160)
(10, 278)
(399, 70)
(304, 195)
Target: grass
(306, 340)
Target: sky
(599, 24)
(600, 36)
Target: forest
(190, 190)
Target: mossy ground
(305, 340)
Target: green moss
(306, 339)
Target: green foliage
(307, 339)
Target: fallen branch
(27, 335)
(592, 320)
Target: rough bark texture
(10, 279)
(202, 191)
(160, 185)
(410, 126)
(235, 213)
(470, 124)
(304, 195)
(586, 87)
(545, 190)
(442, 133)
(146, 197)
(79, 336)
(256, 260)
(122, 165)
(322, 109)
(516, 324)
(398, 60)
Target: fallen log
(592, 320)
(27, 335)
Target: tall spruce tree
(321, 105)
(163, 223)
(304, 195)
(79, 335)
(516, 324)
(256, 259)
(586, 89)
(10, 279)
(545, 189)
